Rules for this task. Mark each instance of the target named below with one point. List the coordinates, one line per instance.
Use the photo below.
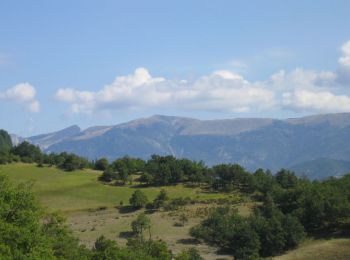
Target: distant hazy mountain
(321, 168)
(253, 142)
(46, 140)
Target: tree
(264, 181)
(146, 178)
(232, 176)
(5, 141)
(71, 163)
(141, 223)
(161, 198)
(21, 233)
(138, 199)
(65, 245)
(101, 164)
(28, 233)
(149, 249)
(108, 175)
(105, 249)
(29, 153)
(230, 231)
(189, 254)
(293, 230)
(5, 147)
(286, 179)
(122, 170)
(165, 170)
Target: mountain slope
(321, 168)
(253, 143)
(46, 140)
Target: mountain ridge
(251, 142)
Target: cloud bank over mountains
(297, 90)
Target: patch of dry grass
(331, 249)
(115, 225)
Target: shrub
(138, 199)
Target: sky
(105, 62)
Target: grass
(330, 249)
(80, 190)
(115, 225)
(90, 206)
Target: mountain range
(304, 144)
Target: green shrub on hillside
(138, 199)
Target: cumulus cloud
(322, 101)
(24, 94)
(344, 64)
(344, 60)
(223, 90)
(300, 78)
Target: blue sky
(105, 62)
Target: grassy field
(92, 208)
(80, 190)
(332, 249)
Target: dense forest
(287, 208)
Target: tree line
(29, 153)
(157, 171)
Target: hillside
(321, 168)
(320, 250)
(253, 143)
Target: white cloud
(300, 78)
(222, 90)
(344, 60)
(344, 64)
(24, 94)
(322, 101)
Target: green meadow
(80, 190)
